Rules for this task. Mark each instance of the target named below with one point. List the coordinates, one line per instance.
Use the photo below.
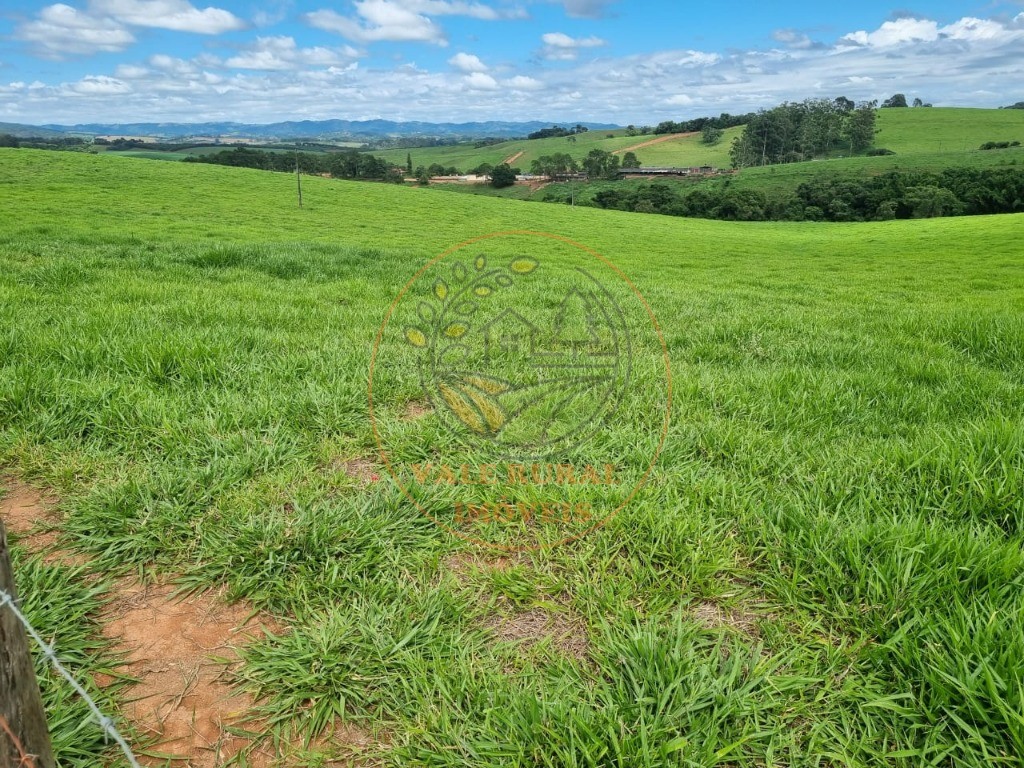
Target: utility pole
(21, 705)
(298, 177)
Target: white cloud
(130, 71)
(379, 20)
(467, 62)
(559, 46)
(178, 15)
(100, 85)
(791, 38)
(172, 65)
(60, 31)
(679, 100)
(897, 32)
(479, 81)
(282, 53)
(403, 20)
(523, 83)
(970, 28)
(562, 40)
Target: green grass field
(826, 568)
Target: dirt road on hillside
(666, 137)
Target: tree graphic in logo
(523, 380)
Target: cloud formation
(559, 46)
(282, 53)
(178, 15)
(403, 20)
(952, 63)
(467, 62)
(60, 30)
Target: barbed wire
(106, 723)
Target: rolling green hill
(825, 567)
(908, 132)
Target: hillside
(908, 132)
(825, 566)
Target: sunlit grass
(184, 356)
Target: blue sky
(461, 60)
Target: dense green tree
(630, 160)
(408, 162)
(502, 176)
(549, 165)
(860, 127)
(896, 100)
(711, 134)
(600, 164)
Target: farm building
(704, 170)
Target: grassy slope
(465, 156)
(908, 132)
(844, 465)
(912, 131)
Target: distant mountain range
(303, 129)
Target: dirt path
(650, 142)
(512, 158)
(174, 647)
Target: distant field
(936, 130)
(466, 156)
(930, 131)
(827, 567)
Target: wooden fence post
(21, 706)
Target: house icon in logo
(509, 334)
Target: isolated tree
(896, 100)
(502, 176)
(630, 160)
(918, 103)
(422, 176)
(631, 130)
(408, 162)
(711, 134)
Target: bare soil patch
(31, 516)
(182, 699)
(567, 635)
(512, 158)
(416, 410)
(180, 649)
(362, 470)
(715, 616)
(464, 564)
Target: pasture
(826, 567)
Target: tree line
(902, 194)
(698, 124)
(797, 131)
(341, 165)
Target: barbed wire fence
(106, 723)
